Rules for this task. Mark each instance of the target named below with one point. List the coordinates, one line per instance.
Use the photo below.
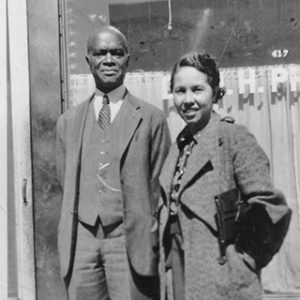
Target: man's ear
(87, 60)
(128, 58)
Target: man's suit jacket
(143, 148)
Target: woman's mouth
(189, 112)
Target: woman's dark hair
(204, 63)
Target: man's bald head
(104, 29)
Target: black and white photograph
(150, 149)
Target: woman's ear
(218, 94)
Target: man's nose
(108, 57)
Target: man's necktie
(104, 114)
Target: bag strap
(223, 139)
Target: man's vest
(100, 190)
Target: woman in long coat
(211, 156)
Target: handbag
(228, 209)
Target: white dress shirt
(115, 101)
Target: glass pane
(237, 33)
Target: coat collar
(203, 151)
(202, 154)
(78, 126)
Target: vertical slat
(20, 110)
(64, 86)
(3, 150)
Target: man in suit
(110, 151)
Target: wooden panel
(21, 154)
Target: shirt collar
(184, 138)
(114, 95)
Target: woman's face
(193, 97)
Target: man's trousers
(101, 268)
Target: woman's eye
(198, 90)
(179, 91)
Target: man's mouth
(109, 72)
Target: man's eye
(117, 52)
(113, 52)
(101, 53)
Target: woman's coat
(226, 155)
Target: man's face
(108, 60)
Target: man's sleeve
(160, 145)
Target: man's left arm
(160, 145)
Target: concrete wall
(45, 109)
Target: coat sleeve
(252, 170)
(265, 221)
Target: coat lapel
(131, 117)
(76, 144)
(78, 129)
(202, 153)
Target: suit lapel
(77, 137)
(78, 128)
(130, 119)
